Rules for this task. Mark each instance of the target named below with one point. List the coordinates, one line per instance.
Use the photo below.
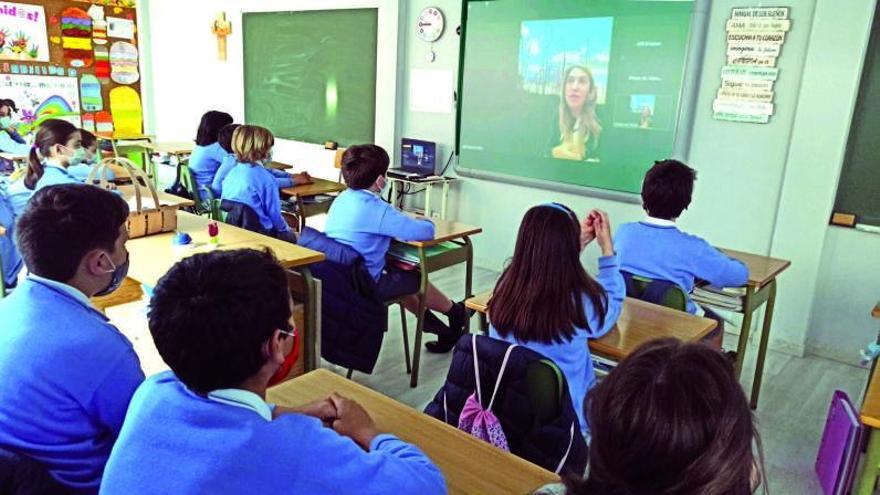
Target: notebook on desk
(417, 160)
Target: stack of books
(841, 443)
(730, 298)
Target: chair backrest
(661, 292)
(544, 380)
(337, 162)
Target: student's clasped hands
(597, 226)
(345, 416)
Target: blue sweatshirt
(83, 170)
(283, 179)
(68, 376)
(364, 221)
(204, 162)
(9, 256)
(573, 357)
(656, 249)
(255, 186)
(54, 175)
(177, 442)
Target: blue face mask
(119, 273)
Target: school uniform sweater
(573, 357)
(82, 171)
(9, 256)
(361, 219)
(657, 249)
(282, 178)
(68, 376)
(18, 195)
(204, 162)
(177, 442)
(252, 185)
(54, 175)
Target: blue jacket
(364, 221)
(663, 252)
(204, 162)
(353, 321)
(254, 186)
(543, 441)
(283, 179)
(9, 256)
(83, 170)
(68, 376)
(177, 442)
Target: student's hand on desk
(321, 409)
(353, 421)
(602, 226)
(302, 178)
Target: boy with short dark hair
(657, 249)
(221, 321)
(360, 218)
(68, 374)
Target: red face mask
(289, 361)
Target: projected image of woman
(579, 127)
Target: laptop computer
(417, 159)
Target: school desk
(302, 192)
(166, 199)
(279, 166)
(444, 231)
(125, 143)
(153, 255)
(469, 465)
(760, 289)
(639, 322)
(428, 186)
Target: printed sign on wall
(23, 32)
(42, 97)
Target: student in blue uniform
(657, 249)
(10, 140)
(92, 156)
(9, 257)
(546, 301)
(360, 218)
(224, 138)
(57, 146)
(68, 374)
(222, 323)
(207, 154)
(251, 184)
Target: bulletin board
(76, 60)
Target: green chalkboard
(311, 76)
(858, 192)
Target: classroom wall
(188, 79)
(761, 188)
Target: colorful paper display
(99, 25)
(42, 97)
(104, 122)
(90, 91)
(124, 63)
(102, 63)
(76, 40)
(23, 32)
(125, 106)
(118, 27)
(88, 120)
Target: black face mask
(119, 273)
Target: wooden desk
(176, 148)
(876, 311)
(152, 256)
(870, 416)
(137, 143)
(127, 192)
(760, 289)
(317, 187)
(639, 322)
(279, 166)
(468, 464)
(444, 231)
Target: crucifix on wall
(221, 28)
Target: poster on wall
(23, 32)
(41, 98)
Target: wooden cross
(221, 28)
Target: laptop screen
(418, 156)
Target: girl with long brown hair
(546, 301)
(579, 126)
